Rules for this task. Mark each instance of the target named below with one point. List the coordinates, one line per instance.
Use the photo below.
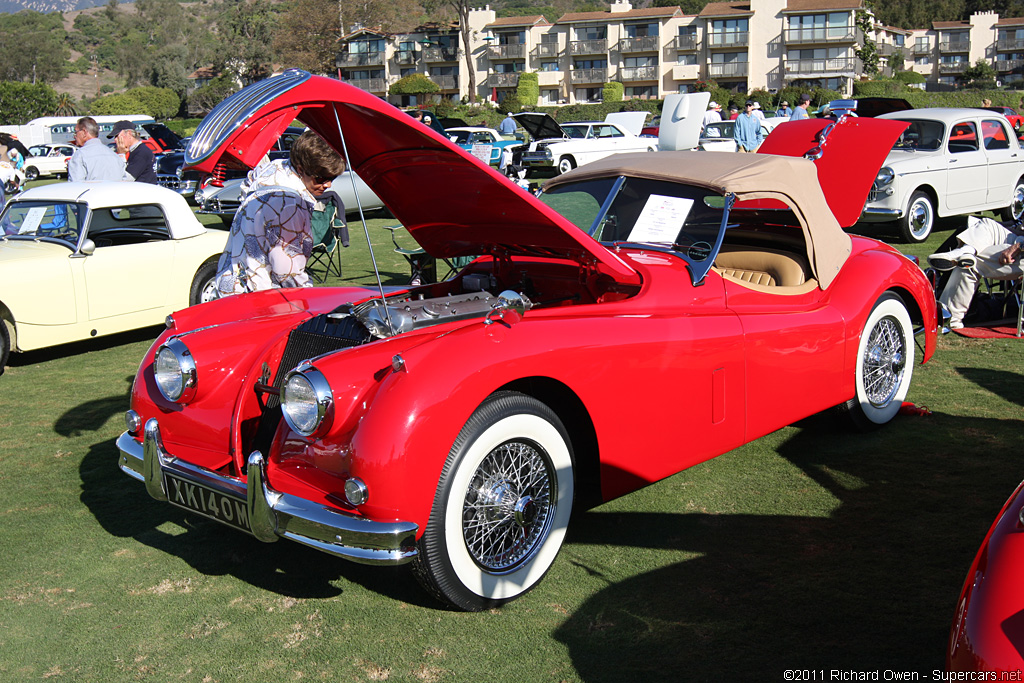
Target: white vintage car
(47, 160)
(81, 260)
(556, 149)
(948, 162)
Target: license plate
(207, 502)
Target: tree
(461, 9)
(414, 84)
(65, 105)
(866, 53)
(21, 102)
(528, 89)
(981, 76)
(204, 99)
(116, 104)
(32, 47)
(612, 91)
(247, 31)
(160, 103)
(307, 36)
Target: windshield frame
(82, 211)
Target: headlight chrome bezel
(323, 401)
(187, 371)
(885, 177)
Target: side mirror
(88, 247)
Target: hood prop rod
(362, 219)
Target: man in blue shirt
(784, 109)
(507, 127)
(801, 109)
(93, 160)
(747, 130)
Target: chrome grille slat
(230, 114)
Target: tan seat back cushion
(762, 267)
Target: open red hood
(452, 204)
(847, 156)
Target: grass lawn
(811, 548)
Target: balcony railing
(886, 50)
(814, 67)
(588, 47)
(922, 49)
(954, 46)
(1008, 65)
(498, 80)
(683, 43)
(729, 70)
(952, 67)
(546, 50)
(509, 51)
(642, 44)
(350, 59)
(446, 82)
(405, 57)
(441, 54)
(638, 73)
(589, 75)
(728, 39)
(830, 34)
(1010, 44)
(374, 85)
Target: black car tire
(203, 285)
(885, 364)
(31, 173)
(5, 346)
(1015, 210)
(917, 223)
(502, 505)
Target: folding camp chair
(422, 265)
(327, 229)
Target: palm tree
(65, 105)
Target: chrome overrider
(272, 514)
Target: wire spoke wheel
(884, 361)
(502, 505)
(508, 506)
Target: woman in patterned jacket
(270, 238)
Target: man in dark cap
(139, 157)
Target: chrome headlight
(174, 369)
(307, 401)
(885, 177)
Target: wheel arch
(933, 195)
(567, 405)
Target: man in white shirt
(713, 114)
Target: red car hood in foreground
(452, 204)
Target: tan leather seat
(765, 267)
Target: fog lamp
(356, 492)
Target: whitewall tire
(502, 506)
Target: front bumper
(271, 514)
(873, 214)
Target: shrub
(528, 90)
(510, 105)
(414, 84)
(612, 92)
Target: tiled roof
(518, 21)
(721, 9)
(812, 5)
(615, 16)
(950, 24)
(1011, 21)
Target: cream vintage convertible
(81, 260)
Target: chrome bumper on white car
(255, 508)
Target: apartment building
(743, 45)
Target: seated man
(988, 249)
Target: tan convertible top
(792, 180)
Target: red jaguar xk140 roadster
(647, 312)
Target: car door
(966, 169)
(1004, 160)
(130, 269)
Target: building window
(647, 91)
(646, 60)
(549, 96)
(686, 58)
(549, 38)
(550, 66)
(641, 30)
(589, 94)
(509, 67)
(590, 64)
(922, 60)
(365, 46)
(516, 38)
(402, 73)
(591, 33)
(834, 25)
(899, 40)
